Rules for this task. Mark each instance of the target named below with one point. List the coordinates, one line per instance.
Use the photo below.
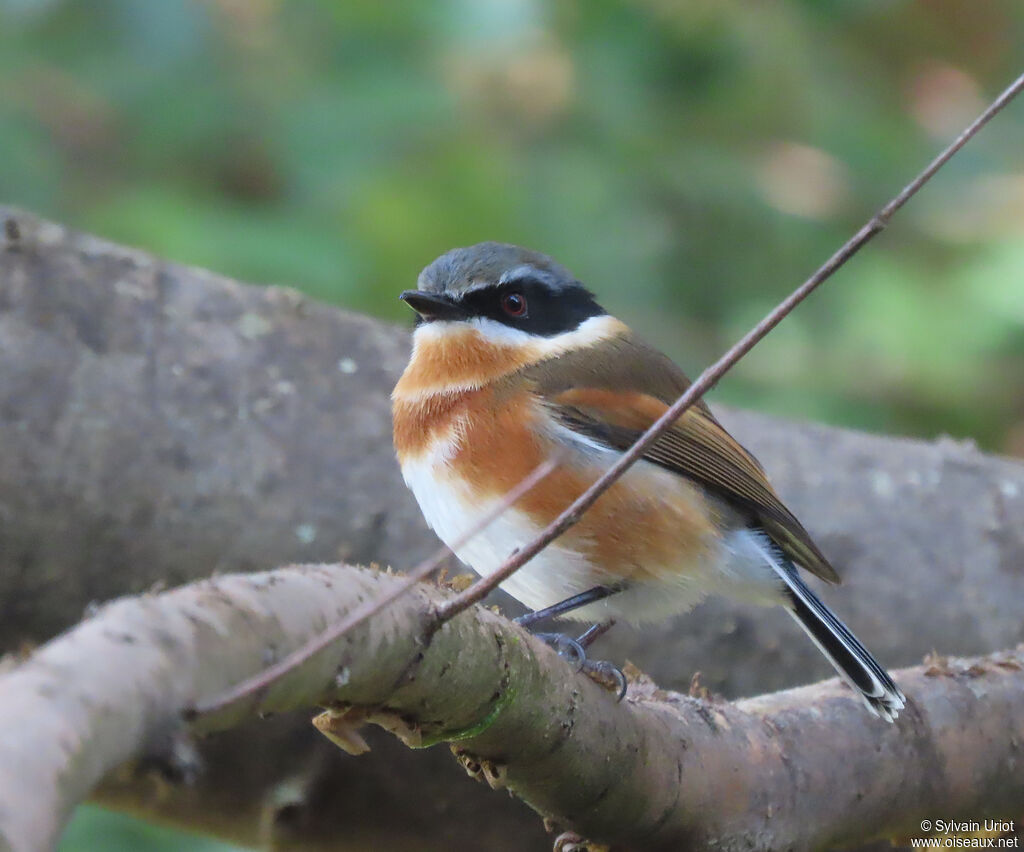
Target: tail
(851, 659)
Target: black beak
(433, 306)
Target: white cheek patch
(590, 331)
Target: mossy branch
(797, 769)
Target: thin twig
(709, 378)
(255, 686)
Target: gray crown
(456, 271)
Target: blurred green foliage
(96, 830)
(691, 160)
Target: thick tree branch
(659, 770)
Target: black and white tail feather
(849, 657)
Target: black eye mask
(547, 313)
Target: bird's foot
(568, 649)
(574, 651)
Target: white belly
(558, 571)
(554, 574)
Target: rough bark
(658, 771)
(159, 423)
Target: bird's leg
(594, 632)
(574, 650)
(597, 593)
(566, 646)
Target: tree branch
(258, 684)
(159, 422)
(659, 770)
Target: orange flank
(637, 529)
(422, 422)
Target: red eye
(514, 304)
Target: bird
(514, 362)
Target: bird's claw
(567, 648)
(607, 675)
(601, 672)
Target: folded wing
(614, 391)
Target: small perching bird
(513, 360)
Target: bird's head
(490, 309)
(506, 292)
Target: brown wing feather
(615, 390)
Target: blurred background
(691, 160)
